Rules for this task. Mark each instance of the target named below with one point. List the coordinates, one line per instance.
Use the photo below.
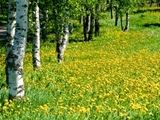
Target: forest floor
(3, 30)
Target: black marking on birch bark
(12, 18)
(35, 46)
(20, 71)
(20, 91)
(9, 45)
(21, 16)
(19, 87)
(25, 6)
(12, 55)
(12, 9)
(8, 35)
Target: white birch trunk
(11, 25)
(62, 41)
(62, 27)
(36, 39)
(16, 56)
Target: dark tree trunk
(116, 16)
(90, 36)
(111, 9)
(97, 27)
(127, 21)
(85, 28)
(151, 2)
(43, 25)
(158, 3)
(97, 20)
(121, 19)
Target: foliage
(116, 76)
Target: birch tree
(121, 7)
(36, 37)
(61, 15)
(11, 24)
(44, 6)
(14, 60)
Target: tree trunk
(97, 20)
(97, 27)
(62, 27)
(16, 55)
(85, 24)
(151, 2)
(88, 22)
(11, 25)
(43, 25)
(127, 21)
(36, 39)
(81, 19)
(121, 19)
(116, 16)
(90, 36)
(62, 41)
(158, 3)
(111, 9)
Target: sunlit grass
(114, 77)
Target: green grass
(114, 77)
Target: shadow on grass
(147, 10)
(152, 25)
(71, 40)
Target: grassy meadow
(114, 77)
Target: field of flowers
(114, 77)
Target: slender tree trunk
(16, 55)
(90, 36)
(116, 16)
(121, 19)
(11, 25)
(85, 24)
(10, 30)
(62, 27)
(158, 3)
(97, 26)
(62, 41)
(88, 22)
(43, 25)
(70, 27)
(81, 19)
(111, 9)
(36, 39)
(127, 21)
(151, 2)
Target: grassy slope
(116, 76)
